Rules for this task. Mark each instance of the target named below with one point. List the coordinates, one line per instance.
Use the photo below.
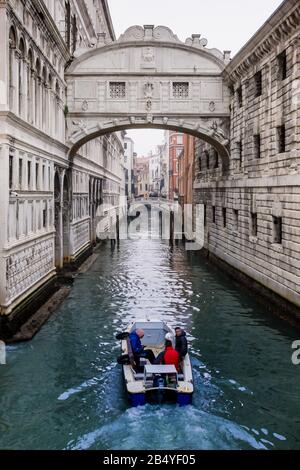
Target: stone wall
(253, 215)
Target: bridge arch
(149, 79)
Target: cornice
(284, 23)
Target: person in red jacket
(169, 356)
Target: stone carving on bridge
(79, 126)
(148, 58)
(85, 105)
(165, 34)
(149, 33)
(148, 90)
(212, 106)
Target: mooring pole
(172, 227)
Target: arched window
(30, 103)
(68, 24)
(74, 34)
(21, 77)
(51, 102)
(37, 91)
(57, 110)
(12, 48)
(44, 99)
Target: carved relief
(148, 58)
(28, 266)
(81, 235)
(148, 91)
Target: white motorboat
(154, 383)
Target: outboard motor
(159, 382)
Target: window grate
(180, 90)
(117, 90)
(258, 84)
(277, 230)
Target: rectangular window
(37, 169)
(240, 153)
(44, 214)
(214, 214)
(29, 175)
(239, 94)
(281, 139)
(258, 84)
(254, 224)
(216, 158)
(207, 159)
(200, 163)
(180, 140)
(282, 66)
(180, 90)
(43, 177)
(11, 172)
(205, 215)
(117, 90)
(20, 172)
(277, 230)
(224, 215)
(257, 146)
(235, 220)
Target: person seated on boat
(169, 356)
(181, 344)
(138, 349)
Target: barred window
(180, 90)
(258, 84)
(257, 145)
(117, 90)
(282, 66)
(254, 225)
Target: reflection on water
(64, 390)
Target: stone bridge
(149, 79)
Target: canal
(64, 390)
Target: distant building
(186, 170)
(141, 171)
(154, 172)
(128, 164)
(175, 150)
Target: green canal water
(64, 390)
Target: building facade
(252, 215)
(175, 151)
(141, 172)
(48, 202)
(186, 171)
(154, 173)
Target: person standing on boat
(181, 344)
(169, 356)
(138, 349)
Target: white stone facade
(253, 214)
(48, 203)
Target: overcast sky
(226, 24)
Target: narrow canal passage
(63, 390)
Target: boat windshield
(153, 337)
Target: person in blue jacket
(138, 349)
